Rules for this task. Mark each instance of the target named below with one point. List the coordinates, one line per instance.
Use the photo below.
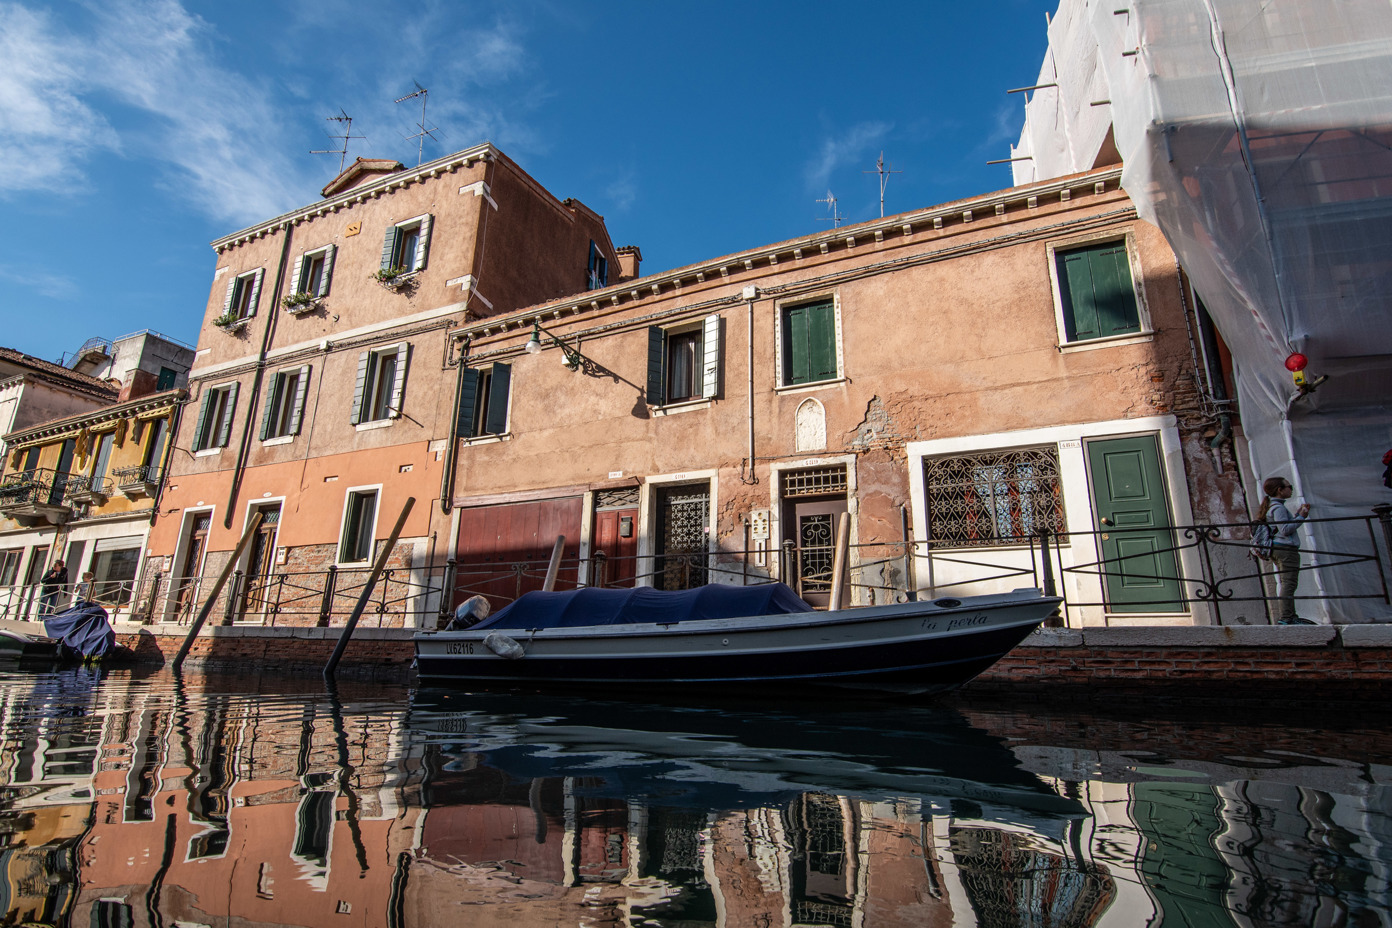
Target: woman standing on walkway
(1285, 545)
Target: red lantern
(1296, 362)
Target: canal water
(146, 800)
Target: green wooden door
(1137, 543)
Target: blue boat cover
(594, 606)
(82, 628)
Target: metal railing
(38, 487)
(1211, 562)
(139, 473)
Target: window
(243, 293)
(284, 403)
(1096, 294)
(596, 269)
(483, 401)
(102, 459)
(406, 245)
(113, 571)
(154, 450)
(359, 526)
(381, 379)
(312, 272)
(993, 498)
(214, 428)
(9, 565)
(809, 343)
(684, 363)
(167, 378)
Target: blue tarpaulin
(83, 628)
(593, 606)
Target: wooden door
(815, 523)
(616, 538)
(1140, 567)
(502, 551)
(261, 563)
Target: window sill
(281, 440)
(208, 453)
(487, 439)
(805, 387)
(1113, 341)
(671, 409)
(374, 424)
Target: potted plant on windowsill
(230, 321)
(299, 302)
(392, 277)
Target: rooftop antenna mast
(425, 132)
(346, 122)
(835, 217)
(884, 171)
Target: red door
(616, 536)
(503, 550)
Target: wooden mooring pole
(378, 566)
(838, 567)
(554, 567)
(207, 609)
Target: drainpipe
(452, 442)
(751, 293)
(244, 448)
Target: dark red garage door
(503, 550)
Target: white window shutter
(710, 354)
(388, 247)
(403, 353)
(231, 292)
(363, 360)
(423, 244)
(328, 270)
(255, 291)
(297, 411)
(295, 283)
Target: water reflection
(130, 801)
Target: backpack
(1263, 535)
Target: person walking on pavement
(1285, 545)
(51, 587)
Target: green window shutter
(403, 352)
(710, 353)
(255, 291)
(363, 360)
(821, 342)
(496, 417)
(795, 345)
(231, 292)
(224, 435)
(423, 243)
(389, 247)
(272, 395)
(296, 284)
(328, 271)
(468, 396)
(657, 355)
(297, 411)
(1096, 291)
(200, 432)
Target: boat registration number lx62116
(459, 647)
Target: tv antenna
(425, 131)
(883, 170)
(346, 122)
(835, 217)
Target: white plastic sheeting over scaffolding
(1258, 137)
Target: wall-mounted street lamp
(571, 358)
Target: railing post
(229, 608)
(789, 570)
(326, 605)
(910, 586)
(1050, 588)
(599, 569)
(447, 590)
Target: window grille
(625, 498)
(819, 481)
(993, 498)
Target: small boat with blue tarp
(727, 635)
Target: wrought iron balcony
(81, 488)
(33, 496)
(137, 481)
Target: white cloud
(40, 281)
(849, 147)
(46, 130)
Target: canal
(131, 799)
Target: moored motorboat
(729, 635)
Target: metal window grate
(625, 498)
(993, 498)
(818, 481)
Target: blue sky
(134, 132)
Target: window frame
(996, 540)
(484, 410)
(280, 423)
(596, 269)
(1056, 250)
(248, 283)
(368, 385)
(391, 244)
(303, 266)
(706, 372)
(783, 349)
(208, 438)
(349, 496)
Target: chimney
(629, 259)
